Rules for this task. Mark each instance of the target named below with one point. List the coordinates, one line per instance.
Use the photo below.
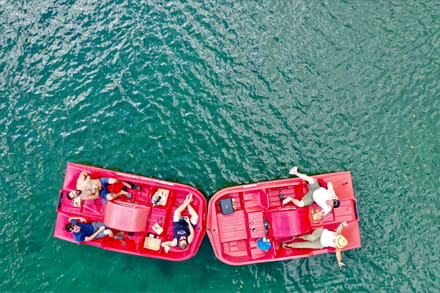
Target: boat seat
(232, 227)
(346, 211)
(288, 223)
(252, 201)
(127, 217)
(256, 225)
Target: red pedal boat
(239, 216)
(143, 220)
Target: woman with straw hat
(321, 238)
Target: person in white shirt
(321, 238)
(324, 197)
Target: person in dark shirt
(183, 226)
(83, 231)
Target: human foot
(286, 200)
(284, 245)
(294, 171)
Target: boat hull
(258, 213)
(136, 218)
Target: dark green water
(214, 94)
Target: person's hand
(345, 224)
(186, 219)
(166, 248)
(189, 197)
(318, 215)
(341, 264)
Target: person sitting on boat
(88, 188)
(83, 231)
(183, 226)
(324, 197)
(321, 238)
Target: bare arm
(338, 250)
(191, 230)
(167, 244)
(83, 176)
(178, 213)
(319, 215)
(341, 227)
(331, 188)
(339, 257)
(181, 208)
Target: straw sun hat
(341, 241)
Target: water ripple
(218, 94)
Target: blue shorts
(104, 182)
(96, 226)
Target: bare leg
(313, 236)
(296, 202)
(294, 171)
(312, 240)
(126, 184)
(286, 245)
(316, 244)
(112, 196)
(114, 181)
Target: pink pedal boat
(144, 221)
(238, 217)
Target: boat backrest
(347, 211)
(127, 217)
(287, 223)
(254, 200)
(232, 227)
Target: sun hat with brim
(264, 244)
(341, 241)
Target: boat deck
(134, 217)
(234, 235)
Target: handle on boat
(356, 209)
(59, 199)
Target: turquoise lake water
(214, 94)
